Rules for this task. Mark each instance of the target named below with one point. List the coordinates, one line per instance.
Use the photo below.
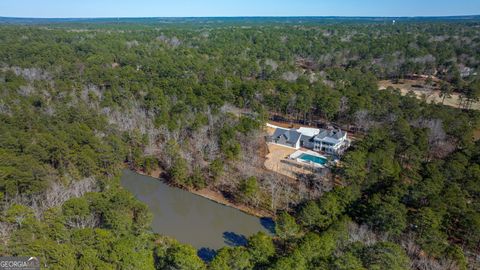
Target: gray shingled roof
(336, 134)
(292, 136)
(305, 138)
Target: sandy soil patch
(270, 130)
(273, 162)
(286, 125)
(476, 134)
(421, 90)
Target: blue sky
(200, 8)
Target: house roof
(291, 136)
(310, 132)
(306, 138)
(336, 134)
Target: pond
(190, 218)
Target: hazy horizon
(200, 17)
(90, 9)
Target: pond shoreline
(211, 195)
(192, 218)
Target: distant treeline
(232, 21)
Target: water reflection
(234, 240)
(190, 218)
(207, 254)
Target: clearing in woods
(277, 155)
(421, 88)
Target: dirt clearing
(275, 161)
(422, 89)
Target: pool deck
(297, 156)
(278, 160)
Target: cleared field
(420, 88)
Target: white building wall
(297, 146)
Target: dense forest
(80, 101)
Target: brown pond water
(190, 218)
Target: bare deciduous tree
(90, 221)
(419, 260)
(56, 194)
(362, 120)
(361, 233)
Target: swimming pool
(314, 159)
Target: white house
(332, 142)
